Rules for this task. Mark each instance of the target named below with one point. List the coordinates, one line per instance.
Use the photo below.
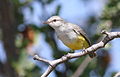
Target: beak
(46, 22)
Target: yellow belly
(78, 43)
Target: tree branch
(117, 74)
(52, 64)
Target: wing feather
(80, 31)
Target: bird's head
(54, 21)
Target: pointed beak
(46, 22)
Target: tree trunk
(8, 27)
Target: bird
(70, 34)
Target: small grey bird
(70, 34)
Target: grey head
(55, 21)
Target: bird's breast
(67, 36)
(72, 40)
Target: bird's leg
(91, 54)
(83, 48)
(71, 51)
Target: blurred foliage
(112, 13)
(110, 19)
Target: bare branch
(52, 64)
(117, 74)
(36, 57)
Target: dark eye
(54, 20)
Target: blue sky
(115, 53)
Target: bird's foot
(71, 51)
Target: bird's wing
(79, 31)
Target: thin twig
(117, 74)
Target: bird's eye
(54, 20)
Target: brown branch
(52, 64)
